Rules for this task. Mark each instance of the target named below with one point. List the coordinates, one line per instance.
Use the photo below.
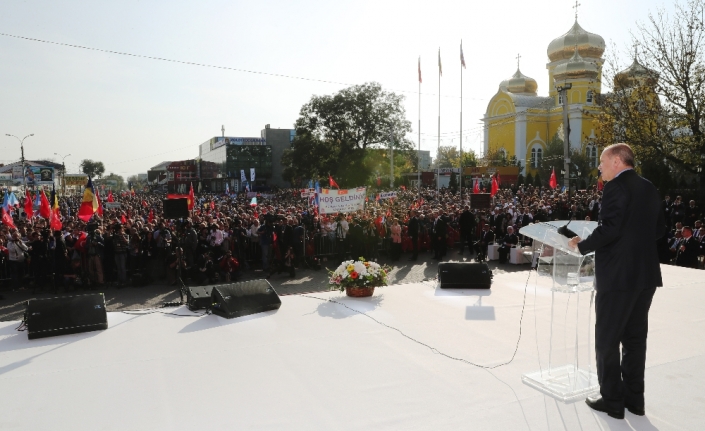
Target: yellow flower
(367, 263)
(350, 268)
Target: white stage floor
(315, 365)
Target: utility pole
(24, 176)
(563, 91)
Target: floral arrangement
(360, 273)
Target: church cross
(222, 129)
(576, 9)
(518, 57)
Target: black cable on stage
(433, 349)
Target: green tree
(121, 185)
(529, 179)
(520, 180)
(334, 132)
(537, 180)
(92, 168)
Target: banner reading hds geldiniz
(341, 201)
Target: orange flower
(354, 275)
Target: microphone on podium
(563, 230)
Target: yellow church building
(520, 123)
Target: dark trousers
(415, 244)
(622, 318)
(466, 237)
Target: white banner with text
(341, 201)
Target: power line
(213, 66)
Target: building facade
(227, 159)
(520, 123)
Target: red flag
(110, 196)
(389, 212)
(495, 187)
(123, 220)
(100, 204)
(55, 219)
(28, 208)
(212, 205)
(600, 183)
(476, 187)
(132, 192)
(499, 180)
(151, 215)
(144, 203)
(191, 198)
(379, 181)
(7, 219)
(332, 182)
(553, 182)
(44, 209)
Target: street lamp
(24, 177)
(63, 172)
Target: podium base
(563, 383)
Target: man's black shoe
(635, 410)
(597, 403)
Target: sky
(132, 113)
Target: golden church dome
(519, 84)
(575, 68)
(589, 45)
(633, 74)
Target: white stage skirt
(316, 365)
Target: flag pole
(462, 64)
(438, 149)
(418, 164)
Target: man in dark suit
(467, 228)
(486, 237)
(413, 230)
(439, 236)
(688, 250)
(509, 241)
(627, 274)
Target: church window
(560, 98)
(592, 155)
(536, 155)
(589, 96)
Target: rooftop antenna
(222, 129)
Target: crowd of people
(226, 235)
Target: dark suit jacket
(689, 256)
(631, 221)
(512, 239)
(414, 227)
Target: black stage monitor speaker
(176, 208)
(247, 297)
(199, 297)
(48, 317)
(464, 275)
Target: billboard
(36, 175)
(75, 179)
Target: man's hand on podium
(573, 243)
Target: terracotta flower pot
(359, 292)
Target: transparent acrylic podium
(569, 375)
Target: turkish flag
(151, 215)
(495, 187)
(28, 208)
(332, 182)
(553, 182)
(191, 198)
(110, 196)
(476, 187)
(7, 219)
(44, 209)
(123, 220)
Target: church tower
(518, 122)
